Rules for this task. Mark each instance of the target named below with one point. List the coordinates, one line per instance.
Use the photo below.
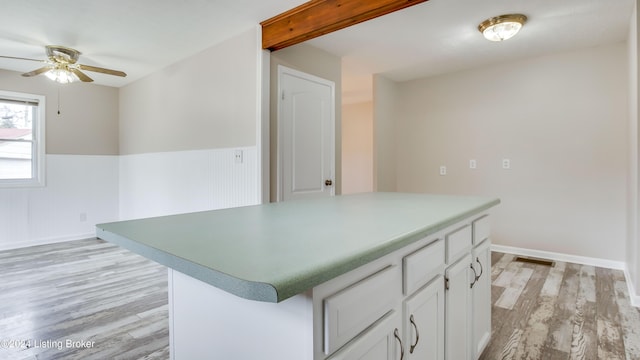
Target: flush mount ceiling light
(502, 27)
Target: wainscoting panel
(80, 191)
(158, 184)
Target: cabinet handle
(475, 275)
(413, 347)
(395, 333)
(481, 268)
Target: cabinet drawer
(378, 342)
(458, 243)
(481, 229)
(422, 266)
(354, 309)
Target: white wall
(357, 147)
(77, 185)
(177, 130)
(157, 184)
(632, 248)
(81, 165)
(562, 121)
(180, 128)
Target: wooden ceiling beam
(319, 17)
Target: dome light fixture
(62, 74)
(502, 27)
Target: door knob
(328, 182)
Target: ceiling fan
(62, 67)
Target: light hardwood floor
(567, 311)
(85, 290)
(90, 290)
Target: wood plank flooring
(567, 311)
(92, 291)
(116, 302)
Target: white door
(306, 135)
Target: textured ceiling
(439, 36)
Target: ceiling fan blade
(101, 70)
(20, 58)
(37, 71)
(82, 76)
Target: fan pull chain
(58, 99)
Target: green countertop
(274, 251)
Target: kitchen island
(319, 279)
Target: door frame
(293, 72)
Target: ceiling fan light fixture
(61, 75)
(502, 27)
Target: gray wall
(562, 121)
(207, 101)
(357, 147)
(88, 120)
(385, 119)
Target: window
(21, 139)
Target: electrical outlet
(473, 164)
(506, 164)
(238, 156)
(443, 170)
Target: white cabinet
(468, 290)
(422, 266)
(481, 298)
(442, 310)
(352, 310)
(458, 243)
(396, 307)
(458, 309)
(413, 327)
(381, 342)
(424, 322)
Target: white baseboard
(634, 299)
(584, 260)
(53, 240)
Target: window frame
(38, 131)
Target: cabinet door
(481, 299)
(424, 322)
(457, 310)
(381, 342)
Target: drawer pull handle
(395, 333)
(481, 268)
(475, 275)
(413, 347)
